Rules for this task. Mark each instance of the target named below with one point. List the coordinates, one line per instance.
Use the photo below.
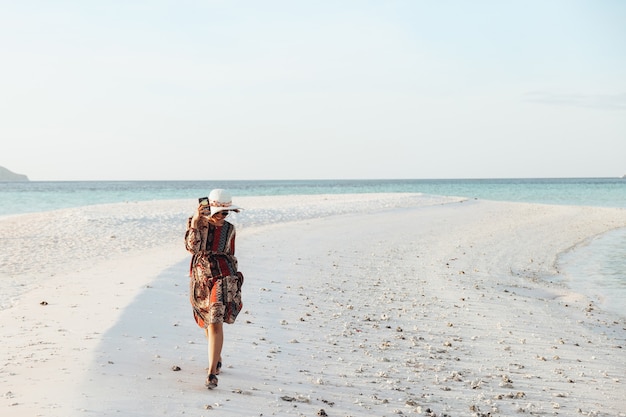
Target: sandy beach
(354, 305)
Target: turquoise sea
(36, 196)
(598, 268)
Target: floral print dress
(215, 282)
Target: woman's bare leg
(215, 334)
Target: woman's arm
(193, 235)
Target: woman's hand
(200, 216)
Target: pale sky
(197, 90)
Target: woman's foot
(218, 368)
(211, 381)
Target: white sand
(357, 305)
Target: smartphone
(204, 201)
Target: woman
(215, 284)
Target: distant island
(6, 175)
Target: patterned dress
(215, 283)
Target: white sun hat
(221, 200)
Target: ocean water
(36, 196)
(597, 269)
